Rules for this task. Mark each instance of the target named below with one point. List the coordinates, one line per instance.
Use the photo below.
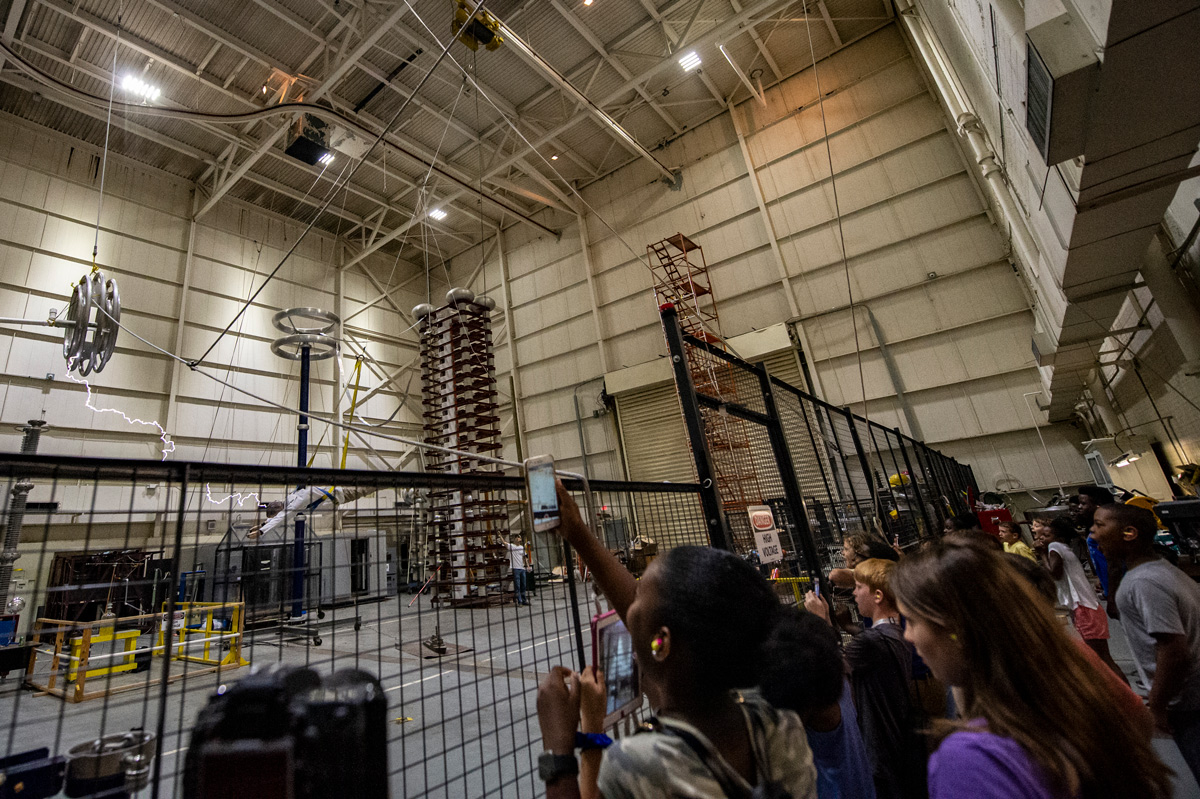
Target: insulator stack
(461, 413)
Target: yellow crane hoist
(482, 28)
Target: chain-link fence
(146, 589)
(823, 471)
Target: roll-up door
(653, 435)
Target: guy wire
(383, 132)
(837, 210)
(112, 89)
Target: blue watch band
(591, 740)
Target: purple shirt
(980, 765)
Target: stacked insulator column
(466, 557)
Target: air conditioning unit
(1061, 63)
(308, 140)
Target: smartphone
(543, 498)
(612, 653)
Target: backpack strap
(712, 760)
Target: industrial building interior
(972, 223)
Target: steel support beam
(326, 86)
(181, 315)
(722, 32)
(11, 23)
(510, 336)
(586, 248)
(789, 291)
(607, 57)
(532, 58)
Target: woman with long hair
(1036, 720)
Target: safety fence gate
(823, 471)
(143, 590)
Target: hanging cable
(837, 210)
(362, 160)
(639, 257)
(112, 90)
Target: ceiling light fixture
(587, 2)
(326, 159)
(1126, 458)
(689, 61)
(554, 158)
(438, 214)
(139, 87)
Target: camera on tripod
(286, 732)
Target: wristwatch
(552, 766)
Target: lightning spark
(239, 496)
(168, 444)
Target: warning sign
(766, 534)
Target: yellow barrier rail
(73, 662)
(205, 632)
(796, 584)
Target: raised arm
(614, 580)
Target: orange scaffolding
(681, 278)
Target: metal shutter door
(653, 435)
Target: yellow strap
(353, 406)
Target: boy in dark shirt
(880, 662)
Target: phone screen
(614, 656)
(542, 495)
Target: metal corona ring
(88, 343)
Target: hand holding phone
(543, 496)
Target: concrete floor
(1185, 784)
(463, 725)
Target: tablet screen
(614, 657)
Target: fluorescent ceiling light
(438, 214)
(326, 159)
(554, 158)
(139, 87)
(587, 2)
(689, 61)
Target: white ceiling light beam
(681, 42)
(621, 69)
(725, 31)
(761, 45)
(531, 57)
(837, 39)
(326, 86)
(758, 95)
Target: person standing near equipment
(516, 559)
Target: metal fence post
(164, 689)
(866, 466)
(791, 486)
(912, 482)
(710, 497)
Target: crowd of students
(980, 668)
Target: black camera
(286, 732)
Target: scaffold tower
(681, 278)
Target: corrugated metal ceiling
(215, 57)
